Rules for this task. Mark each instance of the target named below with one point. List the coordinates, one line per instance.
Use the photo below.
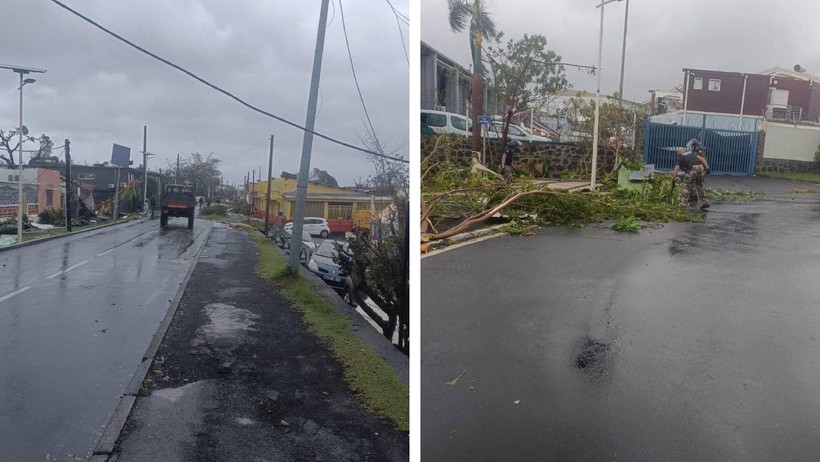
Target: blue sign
(485, 119)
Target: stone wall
(787, 165)
(555, 158)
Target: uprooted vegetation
(456, 198)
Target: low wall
(791, 142)
(550, 158)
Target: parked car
(446, 122)
(314, 225)
(514, 132)
(323, 262)
(308, 246)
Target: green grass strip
(372, 380)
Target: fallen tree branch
(484, 216)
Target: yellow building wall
(286, 185)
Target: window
(340, 210)
(515, 131)
(314, 209)
(459, 123)
(434, 120)
(714, 84)
(49, 197)
(85, 176)
(778, 97)
(698, 85)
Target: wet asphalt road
(76, 316)
(687, 342)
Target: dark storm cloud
(99, 91)
(664, 36)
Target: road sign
(485, 119)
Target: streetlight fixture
(21, 70)
(598, 95)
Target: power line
(220, 90)
(398, 13)
(356, 80)
(402, 18)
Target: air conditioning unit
(110, 185)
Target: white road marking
(16, 292)
(107, 251)
(68, 269)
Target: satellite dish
(799, 68)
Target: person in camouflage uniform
(695, 168)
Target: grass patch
(626, 224)
(813, 177)
(366, 373)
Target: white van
(446, 122)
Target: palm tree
(481, 26)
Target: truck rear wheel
(163, 220)
(191, 221)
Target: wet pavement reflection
(70, 343)
(687, 342)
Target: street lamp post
(598, 95)
(21, 71)
(623, 56)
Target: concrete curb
(73, 233)
(105, 445)
(470, 235)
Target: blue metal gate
(729, 152)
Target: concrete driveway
(684, 342)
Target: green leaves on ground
(626, 224)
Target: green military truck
(177, 201)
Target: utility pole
(145, 163)
(307, 140)
(68, 186)
(267, 198)
(623, 57)
(116, 195)
(177, 171)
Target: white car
(314, 226)
(514, 132)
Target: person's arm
(504, 160)
(703, 161)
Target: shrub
(52, 217)
(217, 209)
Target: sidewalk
(239, 378)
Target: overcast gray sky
(664, 36)
(99, 91)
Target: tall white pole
(20, 170)
(144, 164)
(597, 101)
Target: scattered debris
(453, 382)
(516, 401)
(284, 423)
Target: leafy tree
(525, 72)
(481, 27)
(321, 176)
(616, 122)
(198, 170)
